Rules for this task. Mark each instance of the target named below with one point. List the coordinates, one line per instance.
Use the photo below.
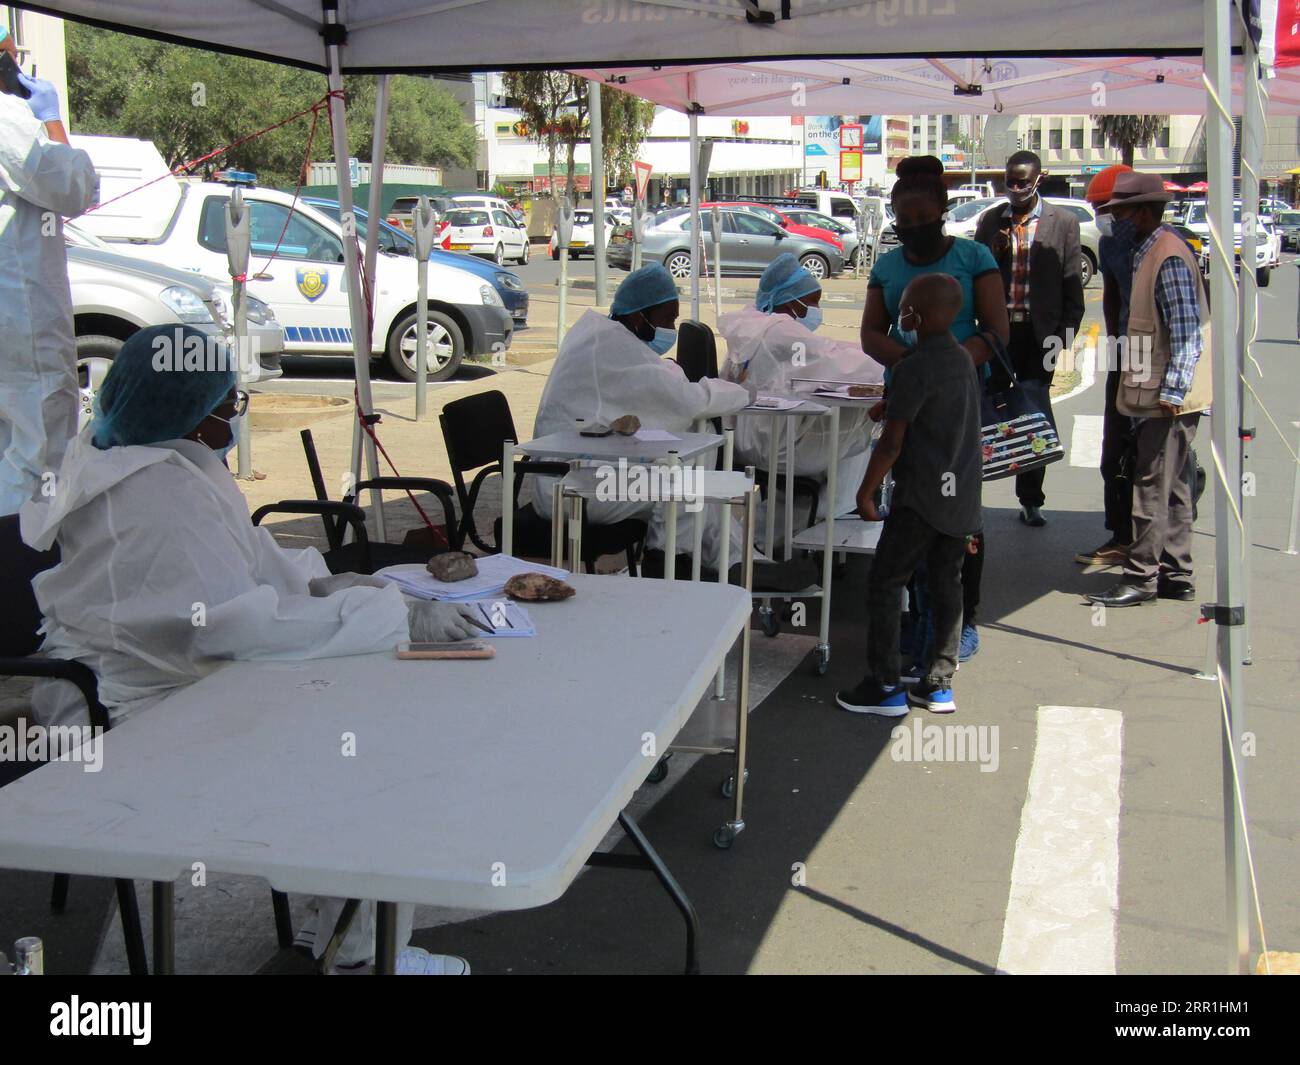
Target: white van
(296, 265)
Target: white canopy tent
(928, 40)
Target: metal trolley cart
(703, 487)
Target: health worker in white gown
(162, 577)
(776, 340)
(609, 366)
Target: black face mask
(924, 241)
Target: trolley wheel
(823, 660)
(728, 787)
(770, 621)
(659, 772)
(724, 837)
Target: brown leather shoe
(1108, 554)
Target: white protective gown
(604, 371)
(778, 348)
(40, 181)
(147, 535)
(155, 540)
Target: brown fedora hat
(1134, 188)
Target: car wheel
(445, 350)
(678, 264)
(94, 358)
(1262, 275)
(815, 265)
(499, 256)
(523, 255)
(1086, 268)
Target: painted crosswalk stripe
(1065, 878)
(1085, 441)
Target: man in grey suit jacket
(1036, 245)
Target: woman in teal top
(920, 199)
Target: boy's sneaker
(872, 698)
(913, 674)
(970, 643)
(926, 696)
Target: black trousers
(1117, 456)
(1027, 360)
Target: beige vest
(1147, 357)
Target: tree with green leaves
(625, 124)
(189, 101)
(1128, 132)
(542, 97)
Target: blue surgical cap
(784, 280)
(647, 287)
(163, 382)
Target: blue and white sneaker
(870, 697)
(927, 696)
(970, 643)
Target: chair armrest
(62, 669)
(347, 513)
(445, 493)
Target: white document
(493, 572)
(655, 436)
(770, 403)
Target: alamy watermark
(650, 484)
(927, 742)
(27, 742)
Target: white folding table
(483, 785)
(573, 447)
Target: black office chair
(19, 639)
(363, 555)
(697, 355)
(475, 430)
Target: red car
(786, 223)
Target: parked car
(402, 213)
(480, 201)
(582, 240)
(395, 241)
(848, 234)
(749, 243)
(828, 202)
(1287, 224)
(777, 217)
(1197, 220)
(114, 296)
(492, 233)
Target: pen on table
(479, 625)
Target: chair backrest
(474, 430)
(20, 621)
(333, 527)
(697, 350)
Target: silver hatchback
(749, 243)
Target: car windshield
(1288, 218)
(404, 204)
(1196, 213)
(969, 209)
(467, 218)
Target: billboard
(822, 136)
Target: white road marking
(1065, 879)
(1085, 440)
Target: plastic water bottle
(29, 957)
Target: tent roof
(996, 85)
(430, 35)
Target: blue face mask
(222, 452)
(663, 340)
(1123, 230)
(812, 318)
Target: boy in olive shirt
(932, 442)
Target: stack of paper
(768, 402)
(842, 391)
(493, 572)
(655, 436)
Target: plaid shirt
(1179, 304)
(1022, 238)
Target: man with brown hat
(1164, 384)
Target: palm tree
(1127, 132)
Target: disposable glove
(44, 99)
(440, 622)
(323, 586)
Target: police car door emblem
(312, 282)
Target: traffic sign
(851, 165)
(642, 171)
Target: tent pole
(352, 274)
(378, 154)
(597, 187)
(693, 119)
(1228, 539)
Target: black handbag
(1015, 435)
